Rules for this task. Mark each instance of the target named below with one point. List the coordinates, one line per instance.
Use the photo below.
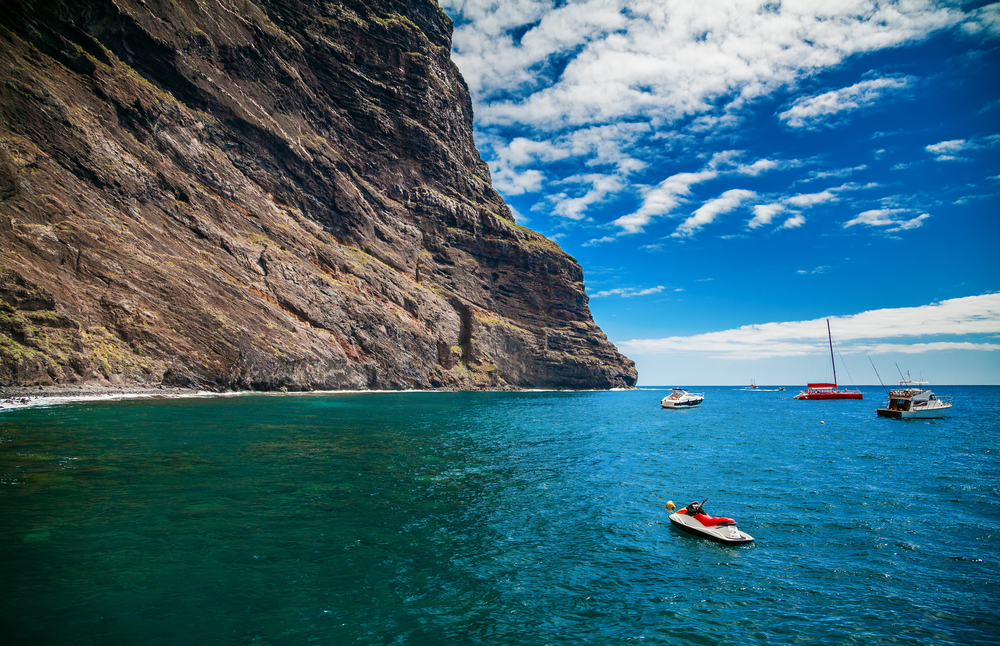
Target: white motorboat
(913, 401)
(681, 398)
(693, 520)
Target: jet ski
(693, 520)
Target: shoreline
(29, 396)
(6, 392)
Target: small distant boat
(827, 390)
(681, 398)
(781, 387)
(753, 384)
(913, 401)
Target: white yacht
(681, 398)
(914, 401)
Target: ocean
(498, 518)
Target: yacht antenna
(900, 372)
(878, 375)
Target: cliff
(265, 194)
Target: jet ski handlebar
(696, 507)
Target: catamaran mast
(833, 363)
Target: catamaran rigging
(828, 390)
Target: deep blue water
(498, 518)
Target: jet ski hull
(726, 534)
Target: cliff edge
(263, 195)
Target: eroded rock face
(265, 195)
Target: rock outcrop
(265, 194)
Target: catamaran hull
(831, 395)
(931, 413)
(726, 534)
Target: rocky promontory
(263, 195)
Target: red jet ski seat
(708, 521)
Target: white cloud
(864, 333)
(661, 199)
(910, 224)
(756, 168)
(809, 199)
(520, 151)
(875, 218)
(764, 213)
(509, 181)
(920, 348)
(575, 208)
(605, 145)
(885, 218)
(598, 241)
(984, 20)
(794, 222)
(947, 150)
(601, 145)
(506, 167)
(952, 149)
(812, 111)
(838, 173)
(711, 209)
(629, 292)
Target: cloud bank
(575, 99)
(556, 64)
(870, 332)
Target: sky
(731, 174)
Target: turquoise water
(498, 518)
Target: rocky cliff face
(265, 194)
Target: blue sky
(730, 174)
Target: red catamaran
(828, 391)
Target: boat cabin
(910, 399)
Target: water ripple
(497, 518)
